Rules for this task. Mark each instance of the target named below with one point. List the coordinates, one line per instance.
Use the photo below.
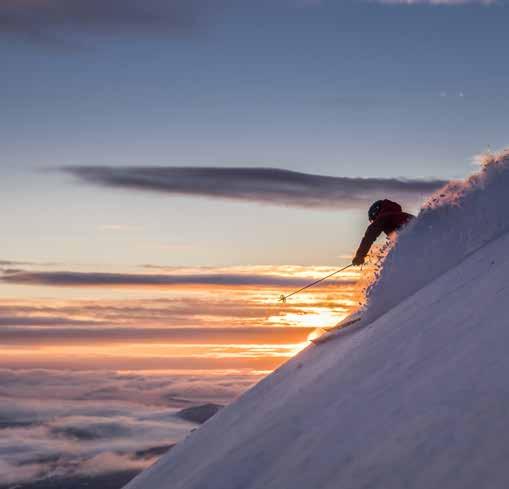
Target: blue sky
(353, 89)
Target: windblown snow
(415, 396)
(456, 221)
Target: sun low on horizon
(187, 319)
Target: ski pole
(283, 297)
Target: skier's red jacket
(390, 218)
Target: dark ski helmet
(374, 209)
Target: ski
(331, 332)
(342, 324)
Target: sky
(344, 89)
(172, 167)
(169, 168)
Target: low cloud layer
(262, 185)
(97, 422)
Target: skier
(386, 216)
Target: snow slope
(418, 398)
(456, 221)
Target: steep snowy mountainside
(418, 398)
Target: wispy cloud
(263, 185)
(62, 21)
(197, 298)
(54, 19)
(12, 263)
(197, 305)
(146, 312)
(42, 321)
(437, 2)
(204, 335)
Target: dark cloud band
(40, 19)
(83, 279)
(263, 185)
(55, 336)
(43, 321)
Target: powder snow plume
(456, 221)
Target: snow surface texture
(418, 398)
(456, 221)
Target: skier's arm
(374, 230)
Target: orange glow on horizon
(185, 307)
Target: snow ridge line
(457, 221)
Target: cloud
(206, 335)
(42, 321)
(117, 392)
(111, 462)
(262, 185)
(437, 2)
(98, 423)
(183, 307)
(57, 21)
(178, 311)
(11, 473)
(97, 279)
(11, 263)
(239, 359)
(51, 19)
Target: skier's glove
(358, 261)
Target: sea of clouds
(63, 424)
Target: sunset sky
(170, 168)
